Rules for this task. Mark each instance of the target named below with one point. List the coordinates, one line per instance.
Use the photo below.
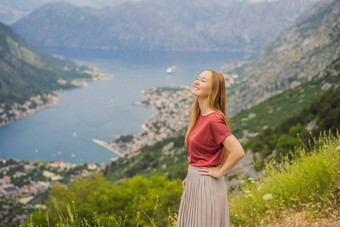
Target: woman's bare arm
(236, 154)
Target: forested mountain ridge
(299, 52)
(191, 25)
(29, 79)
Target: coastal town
(23, 183)
(172, 107)
(32, 105)
(40, 101)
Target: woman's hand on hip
(183, 182)
(211, 171)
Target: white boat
(171, 69)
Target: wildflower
(247, 191)
(251, 180)
(338, 148)
(267, 197)
(242, 181)
(236, 215)
(248, 195)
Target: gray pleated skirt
(204, 201)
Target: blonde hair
(217, 102)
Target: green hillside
(322, 115)
(271, 112)
(24, 73)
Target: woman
(212, 152)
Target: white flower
(267, 197)
(248, 195)
(246, 191)
(242, 181)
(338, 148)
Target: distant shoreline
(52, 97)
(171, 107)
(105, 145)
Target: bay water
(105, 108)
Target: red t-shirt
(204, 142)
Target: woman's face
(202, 84)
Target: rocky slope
(299, 52)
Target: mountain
(300, 51)
(192, 25)
(12, 11)
(9, 15)
(29, 79)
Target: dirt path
(300, 219)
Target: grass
(308, 182)
(73, 218)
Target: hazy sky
(263, 0)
